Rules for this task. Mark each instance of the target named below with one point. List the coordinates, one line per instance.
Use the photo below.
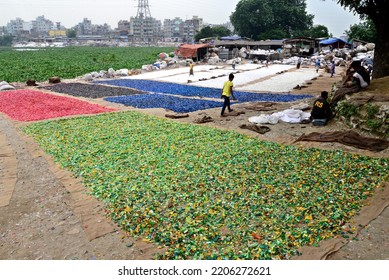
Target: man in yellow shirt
(226, 93)
(191, 69)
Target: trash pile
(164, 60)
(111, 73)
(34, 45)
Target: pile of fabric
(288, 116)
(5, 86)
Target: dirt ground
(40, 221)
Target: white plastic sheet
(288, 116)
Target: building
(178, 30)
(57, 33)
(303, 46)
(172, 29)
(38, 27)
(18, 27)
(190, 28)
(41, 26)
(87, 28)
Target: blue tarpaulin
(335, 42)
(231, 38)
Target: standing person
(191, 69)
(321, 112)
(226, 93)
(332, 69)
(298, 63)
(317, 65)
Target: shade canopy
(334, 42)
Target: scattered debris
(261, 106)
(204, 119)
(31, 83)
(176, 116)
(54, 80)
(6, 86)
(261, 129)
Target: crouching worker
(361, 76)
(321, 112)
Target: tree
(378, 13)
(6, 40)
(319, 31)
(208, 32)
(221, 31)
(364, 31)
(71, 33)
(265, 19)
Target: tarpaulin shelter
(192, 51)
(334, 43)
(231, 38)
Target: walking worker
(317, 65)
(298, 63)
(321, 112)
(191, 69)
(226, 93)
(332, 69)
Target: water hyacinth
(180, 185)
(173, 103)
(189, 90)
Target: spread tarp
(334, 42)
(231, 38)
(349, 138)
(189, 51)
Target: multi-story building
(84, 27)
(38, 27)
(41, 26)
(145, 30)
(172, 29)
(178, 30)
(139, 29)
(124, 27)
(87, 28)
(17, 26)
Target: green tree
(319, 31)
(364, 31)
(71, 33)
(271, 19)
(378, 13)
(6, 40)
(217, 31)
(220, 31)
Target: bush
(347, 109)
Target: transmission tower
(144, 27)
(143, 9)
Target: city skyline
(72, 12)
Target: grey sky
(71, 12)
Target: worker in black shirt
(321, 112)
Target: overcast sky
(71, 12)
